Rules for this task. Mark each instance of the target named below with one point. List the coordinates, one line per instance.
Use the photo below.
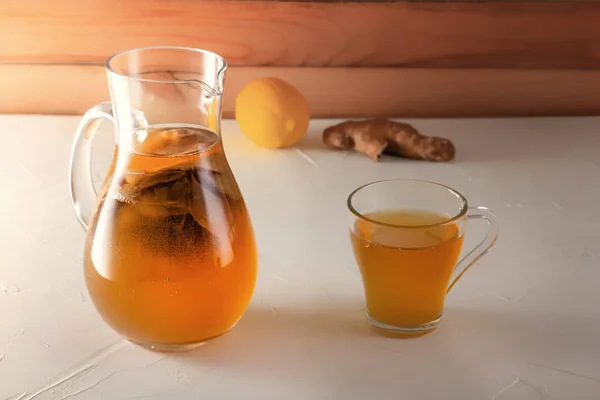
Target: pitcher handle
(482, 247)
(81, 184)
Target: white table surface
(524, 323)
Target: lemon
(272, 112)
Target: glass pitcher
(170, 257)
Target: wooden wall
(349, 58)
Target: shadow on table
(522, 139)
(288, 343)
(541, 337)
(312, 140)
(340, 340)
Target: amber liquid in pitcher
(406, 272)
(170, 256)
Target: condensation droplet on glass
(167, 279)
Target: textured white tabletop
(524, 323)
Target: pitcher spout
(165, 85)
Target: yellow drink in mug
(407, 236)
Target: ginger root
(375, 137)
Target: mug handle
(81, 184)
(482, 247)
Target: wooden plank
(340, 92)
(497, 34)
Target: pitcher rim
(220, 72)
(461, 213)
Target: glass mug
(170, 257)
(407, 236)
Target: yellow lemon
(272, 112)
